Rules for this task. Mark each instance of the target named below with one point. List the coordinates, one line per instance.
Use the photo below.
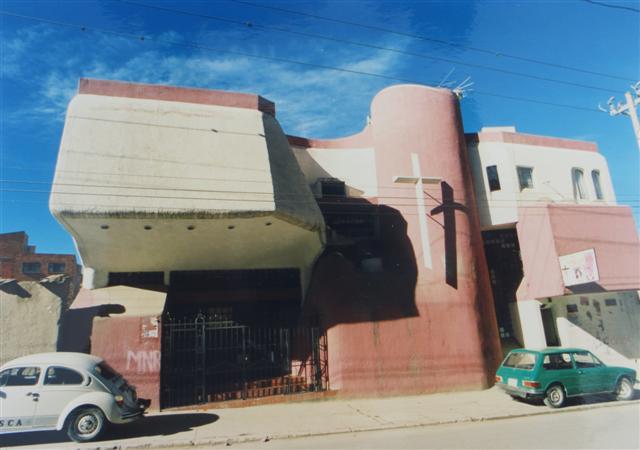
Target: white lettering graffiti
(143, 361)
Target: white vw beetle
(72, 391)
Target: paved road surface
(609, 428)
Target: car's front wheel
(86, 424)
(555, 396)
(624, 389)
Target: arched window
(595, 176)
(579, 193)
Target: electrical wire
(609, 5)
(428, 39)
(193, 45)
(366, 45)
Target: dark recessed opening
(231, 227)
(104, 227)
(268, 224)
(191, 227)
(147, 227)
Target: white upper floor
(512, 171)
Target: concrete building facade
(197, 201)
(564, 257)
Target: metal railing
(207, 360)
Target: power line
(428, 39)
(609, 5)
(366, 45)
(193, 45)
(275, 194)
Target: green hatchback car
(555, 373)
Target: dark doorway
(231, 335)
(502, 251)
(550, 329)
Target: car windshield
(107, 372)
(520, 360)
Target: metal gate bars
(207, 360)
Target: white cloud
(311, 101)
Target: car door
(60, 385)
(591, 372)
(19, 396)
(558, 368)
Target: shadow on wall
(368, 271)
(13, 288)
(607, 324)
(77, 326)
(448, 209)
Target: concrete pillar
(531, 323)
(93, 279)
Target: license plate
(513, 382)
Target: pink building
(235, 261)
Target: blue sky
(41, 62)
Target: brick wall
(19, 260)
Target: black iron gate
(207, 360)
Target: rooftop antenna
(444, 82)
(463, 88)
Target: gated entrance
(208, 358)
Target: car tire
(85, 424)
(624, 389)
(555, 396)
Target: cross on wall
(448, 207)
(419, 181)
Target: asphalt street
(611, 428)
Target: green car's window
(524, 361)
(585, 360)
(557, 361)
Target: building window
(525, 177)
(595, 176)
(492, 176)
(56, 267)
(31, 267)
(332, 187)
(579, 192)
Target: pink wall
(404, 329)
(540, 265)
(546, 233)
(124, 342)
(611, 231)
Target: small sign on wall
(150, 330)
(579, 268)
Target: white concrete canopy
(146, 184)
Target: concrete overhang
(155, 179)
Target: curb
(253, 438)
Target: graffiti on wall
(143, 361)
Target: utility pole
(628, 109)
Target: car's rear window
(520, 360)
(107, 371)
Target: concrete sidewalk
(312, 418)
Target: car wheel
(555, 396)
(624, 389)
(86, 424)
